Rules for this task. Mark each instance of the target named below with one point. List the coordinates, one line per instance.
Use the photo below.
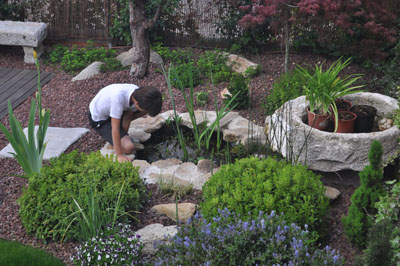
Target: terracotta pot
(343, 105)
(365, 118)
(346, 125)
(317, 121)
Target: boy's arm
(116, 137)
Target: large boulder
(327, 151)
(126, 58)
(240, 64)
(89, 71)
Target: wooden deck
(16, 85)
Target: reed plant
(28, 150)
(202, 134)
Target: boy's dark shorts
(103, 128)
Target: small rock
(154, 233)
(185, 210)
(385, 123)
(331, 193)
(225, 93)
(166, 163)
(142, 164)
(205, 165)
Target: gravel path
(68, 103)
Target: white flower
(99, 257)
(107, 256)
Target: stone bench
(29, 35)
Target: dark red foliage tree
(363, 20)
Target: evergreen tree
(361, 212)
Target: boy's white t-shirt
(112, 101)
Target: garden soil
(68, 104)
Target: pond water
(164, 144)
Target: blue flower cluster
(114, 246)
(266, 240)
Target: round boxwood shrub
(47, 206)
(251, 185)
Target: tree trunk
(287, 45)
(139, 26)
(140, 39)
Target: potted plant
(324, 88)
(365, 117)
(346, 121)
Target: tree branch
(151, 22)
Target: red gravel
(68, 103)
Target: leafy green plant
(185, 75)
(202, 98)
(252, 72)
(214, 64)
(251, 185)
(47, 207)
(390, 81)
(11, 255)
(75, 59)
(29, 150)
(114, 246)
(359, 218)
(288, 87)
(163, 51)
(324, 87)
(238, 85)
(230, 239)
(389, 212)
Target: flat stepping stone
(58, 140)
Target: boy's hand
(122, 158)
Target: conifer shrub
(359, 218)
(251, 185)
(47, 205)
(379, 249)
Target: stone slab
(58, 140)
(90, 71)
(22, 33)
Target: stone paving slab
(58, 140)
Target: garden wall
(76, 20)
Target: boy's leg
(104, 129)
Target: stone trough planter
(327, 151)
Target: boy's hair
(149, 99)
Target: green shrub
(163, 51)
(289, 86)
(252, 72)
(47, 207)
(360, 215)
(75, 59)
(213, 63)
(251, 185)
(238, 84)
(16, 254)
(185, 75)
(232, 240)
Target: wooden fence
(81, 20)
